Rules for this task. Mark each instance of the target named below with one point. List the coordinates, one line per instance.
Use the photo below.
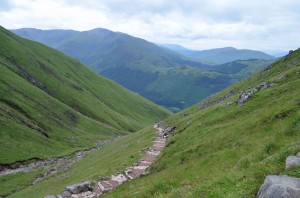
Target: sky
(266, 25)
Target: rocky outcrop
(210, 102)
(245, 96)
(279, 187)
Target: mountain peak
(99, 32)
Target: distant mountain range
(52, 105)
(167, 77)
(219, 55)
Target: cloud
(198, 24)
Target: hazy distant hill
(242, 69)
(159, 74)
(52, 105)
(220, 55)
(101, 48)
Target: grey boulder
(292, 161)
(78, 188)
(279, 187)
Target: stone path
(130, 173)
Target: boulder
(292, 161)
(78, 188)
(279, 187)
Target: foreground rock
(279, 187)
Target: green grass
(110, 159)
(226, 150)
(51, 105)
(15, 182)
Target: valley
(62, 124)
(168, 77)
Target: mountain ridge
(220, 55)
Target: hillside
(224, 148)
(220, 55)
(241, 69)
(161, 75)
(52, 105)
(218, 149)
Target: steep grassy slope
(161, 75)
(51, 105)
(220, 149)
(220, 55)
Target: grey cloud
(192, 22)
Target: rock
(78, 188)
(50, 196)
(88, 194)
(266, 85)
(245, 96)
(210, 102)
(65, 194)
(279, 187)
(170, 129)
(120, 178)
(292, 161)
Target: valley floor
(112, 158)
